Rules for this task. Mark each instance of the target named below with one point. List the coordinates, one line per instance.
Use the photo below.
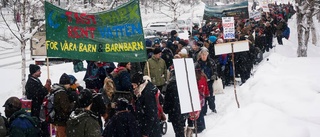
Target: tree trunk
(302, 50)
(23, 67)
(313, 32)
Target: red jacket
(203, 89)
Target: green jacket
(158, 71)
(83, 123)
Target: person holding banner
(157, 70)
(209, 67)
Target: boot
(189, 131)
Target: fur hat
(64, 79)
(156, 51)
(122, 104)
(137, 78)
(85, 98)
(33, 68)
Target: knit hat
(213, 39)
(173, 32)
(85, 98)
(156, 51)
(33, 68)
(72, 79)
(122, 104)
(64, 79)
(137, 78)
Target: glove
(48, 85)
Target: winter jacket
(146, 109)
(203, 89)
(36, 92)
(98, 107)
(121, 78)
(62, 105)
(167, 56)
(209, 67)
(122, 124)
(83, 123)
(158, 71)
(22, 125)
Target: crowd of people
(132, 98)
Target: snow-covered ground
(281, 99)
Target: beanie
(85, 98)
(156, 51)
(137, 78)
(72, 79)
(64, 79)
(122, 104)
(213, 39)
(33, 68)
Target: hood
(57, 87)
(117, 71)
(77, 116)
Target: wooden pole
(190, 96)
(234, 77)
(48, 77)
(148, 68)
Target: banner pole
(148, 68)
(190, 96)
(234, 76)
(48, 76)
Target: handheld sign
(228, 27)
(225, 48)
(187, 85)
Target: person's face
(204, 57)
(157, 56)
(195, 47)
(37, 73)
(134, 86)
(67, 86)
(128, 66)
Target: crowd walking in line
(132, 98)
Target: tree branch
(5, 21)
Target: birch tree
(304, 16)
(23, 13)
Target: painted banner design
(110, 36)
(237, 10)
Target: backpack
(47, 111)
(286, 33)
(3, 126)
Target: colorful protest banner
(110, 36)
(237, 10)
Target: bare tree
(305, 9)
(23, 12)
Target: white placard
(228, 27)
(265, 7)
(256, 15)
(186, 79)
(225, 48)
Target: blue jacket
(23, 125)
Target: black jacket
(147, 111)
(36, 92)
(122, 124)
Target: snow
(281, 99)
